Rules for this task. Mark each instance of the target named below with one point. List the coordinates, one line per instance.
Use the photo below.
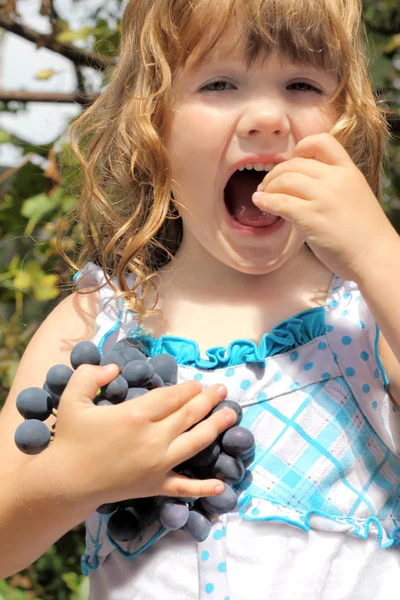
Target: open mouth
(238, 199)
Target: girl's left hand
(329, 201)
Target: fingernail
(257, 195)
(221, 391)
(231, 417)
(219, 489)
(110, 368)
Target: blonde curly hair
(128, 221)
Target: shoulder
(71, 321)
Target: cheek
(315, 121)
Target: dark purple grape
(35, 403)
(138, 373)
(32, 436)
(237, 441)
(230, 404)
(132, 354)
(107, 509)
(173, 514)
(113, 357)
(57, 378)
(197, 526)
(219, 505)
(155, 382)
(135, 393)
(129, 342)
(116, 390)
(205, 457)
(55, 397)
(101, 401)
(123, 526)
(85, 353)
(166, 367)
(228, 469)
(145, 509)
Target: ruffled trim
(387, 532)
(286, 336)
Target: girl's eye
(218, 86)
(305, 87)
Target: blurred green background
(43, 186)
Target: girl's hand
(113, 453)
(329, 201)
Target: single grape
(135, 393)
(205, 457)
(132, 354)
(107, 509)
(237, 441)
(34, 403)
(138, 373)
(84, 353)
(155, 382)
(221, 504)
(197, 526)
(230, 404)
(129, 342)
(55, 397)
(32, 436)
(57, 378)
(166, 367)
(123, 526)
(101, 401)
(229, 469)
(145, 509)
(113, 357)
(173, 514)
(116, 390)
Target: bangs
(303, 32)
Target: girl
(231, 218)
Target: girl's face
(225, 116)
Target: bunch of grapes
(224, 459)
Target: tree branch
(78, 56)
(22, 96)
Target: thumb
(86, 380)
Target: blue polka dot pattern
(198, 377)
(322, 346)
(344, 313)
(294, 386)
(255, 511)
(218, 534)
(209, 588)
(364, 356)
(205, 555)
(326, 376)
(333, 304)
(222, 567)
(374, 405)
(346, 295)
(294, 356)
(350, 371)
(278, 376)
(346, 340)
(308, 366)
(376, 374)
(261, 396)
(229, 372)
(245, 384)
(366, 388)
(329, 328)
(361, 325)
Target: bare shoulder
(392, 368)
(71, 321)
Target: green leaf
(35, 208)
(5, 137)
(70, 36)
(45, 288)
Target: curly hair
(128, 220)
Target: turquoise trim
(134, 554)
(378, 360)
(284, 337)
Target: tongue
(238, 194)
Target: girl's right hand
(114, 453)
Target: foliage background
(37, 193)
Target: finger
(282, 205)
(292, 184)
(164, 401)
(86, 380)
(196, 410)
(183, 487)
(312, 168)
(325, 148)
(191, 442)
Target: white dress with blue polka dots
(318, 516)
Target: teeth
(257, 167)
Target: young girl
(285, 300)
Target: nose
(264, 117)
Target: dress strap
(353, 337)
